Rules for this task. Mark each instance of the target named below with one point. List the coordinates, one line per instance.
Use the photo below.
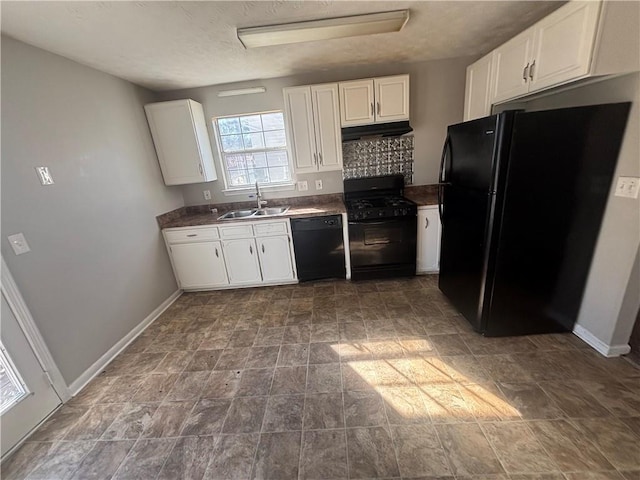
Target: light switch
(44, 175)
(318, 184)
(627, 187)
(19, 243)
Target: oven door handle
(379, 222)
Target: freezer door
(560, 171)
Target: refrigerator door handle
(441, 177)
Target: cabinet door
(429, 230)
(301, 130)
(477, 95)
(356, 103)
(326, 118)
(241, 259)
(510, 77)
(392, 98)
(563, 44)
(275, 258)
(199, 264)
(178, 145)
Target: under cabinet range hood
(393, 129)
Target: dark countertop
(311, 206)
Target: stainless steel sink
(254, 212)
(271, 211)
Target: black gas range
(382, 227)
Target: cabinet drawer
(191, 235)
(236, 231)
(272, 228)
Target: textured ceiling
(172, 45)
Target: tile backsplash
(378, 156)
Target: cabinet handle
(378, 107)
(315, 158)
(192, 235)
(320, 157)
(218, 256)
(263, 248)
(200, 168)
(426, 223)
(531, 70)
(372, 109)
(525, 72)
(250, 249)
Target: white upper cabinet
(477, 95)
(392, 98)
(356, 103)
(375, 100)
(511, 67)
(179, 132)
(563, 44)
(314, 127)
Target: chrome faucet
(260, 203)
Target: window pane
(11, 390)
(259, 174)
(238, 177)
(231, 143)
(273, 121)
(279, 174)
(275, 138)
(235, 162)
(251, 123)
(228, 126)
(253, 140)
(277, 158)
(258, 159)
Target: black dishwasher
(319, 247)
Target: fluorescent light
(325, 29)
(241, 91)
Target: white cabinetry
(179, 132)
(375, 100)
(477, 95)
(236, 254)
(555, 50)
(314, 126)
(429, 231)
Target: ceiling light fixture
(325, 29)
(241, 91)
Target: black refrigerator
(521, 198)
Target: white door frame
(25, 320)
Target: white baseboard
(599, 345)
(88, 375)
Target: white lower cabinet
(429, 231)
(275, 258)
(241, 259)
(236, 254)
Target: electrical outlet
(19, 243)
(207, 194)
(303, 186)
(318, 184)
(627, 187)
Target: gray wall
(97, 265)
(612, 296)
(437, 98)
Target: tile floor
(342, 380)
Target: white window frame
(242, 189)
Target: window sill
(283, 187)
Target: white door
(392, 98)
(299, 116)
(563, 44)
(241, 259)
(511, 67)
(429, 231)
(26, 395)
(356, 103)
(199, 264)
(326, 118)
(275, 258)
(477, 95)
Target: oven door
(384, 243)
